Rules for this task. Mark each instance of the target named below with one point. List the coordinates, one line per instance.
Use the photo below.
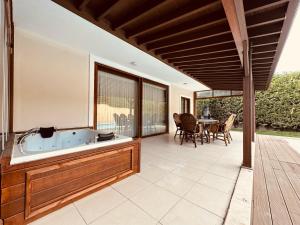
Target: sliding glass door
(154, 109)
(117, 104)
(129, 105)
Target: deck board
(276, 189)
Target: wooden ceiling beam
(211, 49)
(225, 38)
(231, 62)
(166, 19)
(207, 21)
(263, 55)
(195, 53)
(208, 61)
(219, 84)
(227, 64)
(213, 76)
(264, 48)
(274, 28)
(278, 14)
(259, 67)
(83, 4)
(234, 10)
(265, 40)
(221, 73)
(223, 68)
(205, 57)
(190, 36)
(106, 9)
(262, 64)
(212, 70)
(278, 20)
(138, 13)
(265, 7)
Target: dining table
(206, 123)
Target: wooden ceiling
(194, 36)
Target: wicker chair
(178, 124)
(213, 131)
(224, 129)
(190, 128)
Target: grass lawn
(275, 132)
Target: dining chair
(178, 124)
(191, 129)
(224, 129)
(213, 130)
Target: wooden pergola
(224, 44)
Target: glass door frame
(140, 80)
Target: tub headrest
(47, 132)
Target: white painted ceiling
(50, 20)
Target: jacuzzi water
(60, 140)
(34, 147)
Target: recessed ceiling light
(133, 63)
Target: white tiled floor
(178, 185)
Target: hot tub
(34, 147)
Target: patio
(177, 185)
(172, 51)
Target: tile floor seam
(221, 175)
(79, 213)
(134, 193)
(128, 199)
(171, 191)
(189, 178)
(170, 209)
(152, 182)
(203, 208)
(116, 206)
(214, 188)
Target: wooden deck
(276, 195)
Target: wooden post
(253, 127)
(253, 115)
(247, 107)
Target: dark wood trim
(96, 69)
(188, 101)
(140, 81)
(9, 26)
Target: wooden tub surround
(33, 189)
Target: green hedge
(277, 108)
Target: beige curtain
(154, 109)
(117, 104)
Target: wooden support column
(247, 107)
(253, 127)
(253, 115)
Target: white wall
(175, 94)
(51, 84)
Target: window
(117, 104)
(185, 105)
(154, 109)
